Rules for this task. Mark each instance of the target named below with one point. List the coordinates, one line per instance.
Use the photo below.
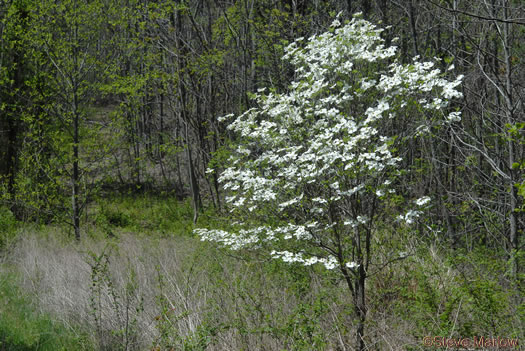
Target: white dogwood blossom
(422, 201)
(311, 159)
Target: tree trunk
(194, 185)
(360, 307)
(513, 224)
(76, 174)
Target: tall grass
(163, 289)
(23, 327)
(140, 292)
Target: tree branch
(485, 18)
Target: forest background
(109, 124)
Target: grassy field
(139, 280)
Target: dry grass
(126, 296)
(135, 293)
(140, 293)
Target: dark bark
(76, 174)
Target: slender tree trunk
(413, 29)
(513, 224)
(358, 288)
(11, 154)
(194, 186)
(76, 175)
(360, 307)
(184, 115)
(76, 141)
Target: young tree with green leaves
(316, 167)
(71, 43)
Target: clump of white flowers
(309, 158)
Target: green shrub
(146, 214)
(113, 217)
(7, 226)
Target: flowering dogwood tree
(316, 165)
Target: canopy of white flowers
(309, 157)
